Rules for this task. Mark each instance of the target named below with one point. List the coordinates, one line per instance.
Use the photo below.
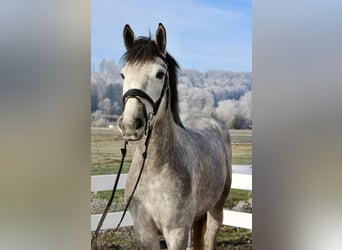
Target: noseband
(136, 93)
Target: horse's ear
(129, 37)
(160, 38)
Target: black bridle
(136, 93)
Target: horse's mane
(144, 50)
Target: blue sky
(201, 34)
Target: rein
(144, 155)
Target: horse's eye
(122, 76)
(160, 75)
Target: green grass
(240, 132)
(235, 196)
(109, 168)
(106, 154)
(234, 238)
(105, 195)
(242, 153)
(106, 147)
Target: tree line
(224, 95)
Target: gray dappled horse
(187, 176)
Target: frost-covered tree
(226, 111)
(220, 93)
(245, 107)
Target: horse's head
(145, 77)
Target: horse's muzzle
(133, 129)
(132, 123)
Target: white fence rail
(230, 218)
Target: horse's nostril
(138, 123)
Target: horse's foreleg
(177, 238)
(147, 237)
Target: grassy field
(106, 156)
(106, 144)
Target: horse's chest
(160, 189)
(160, 195)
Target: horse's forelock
(143, 50)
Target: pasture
(106, 144)
(106, 156)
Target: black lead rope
(123, 152)
(144, 155)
